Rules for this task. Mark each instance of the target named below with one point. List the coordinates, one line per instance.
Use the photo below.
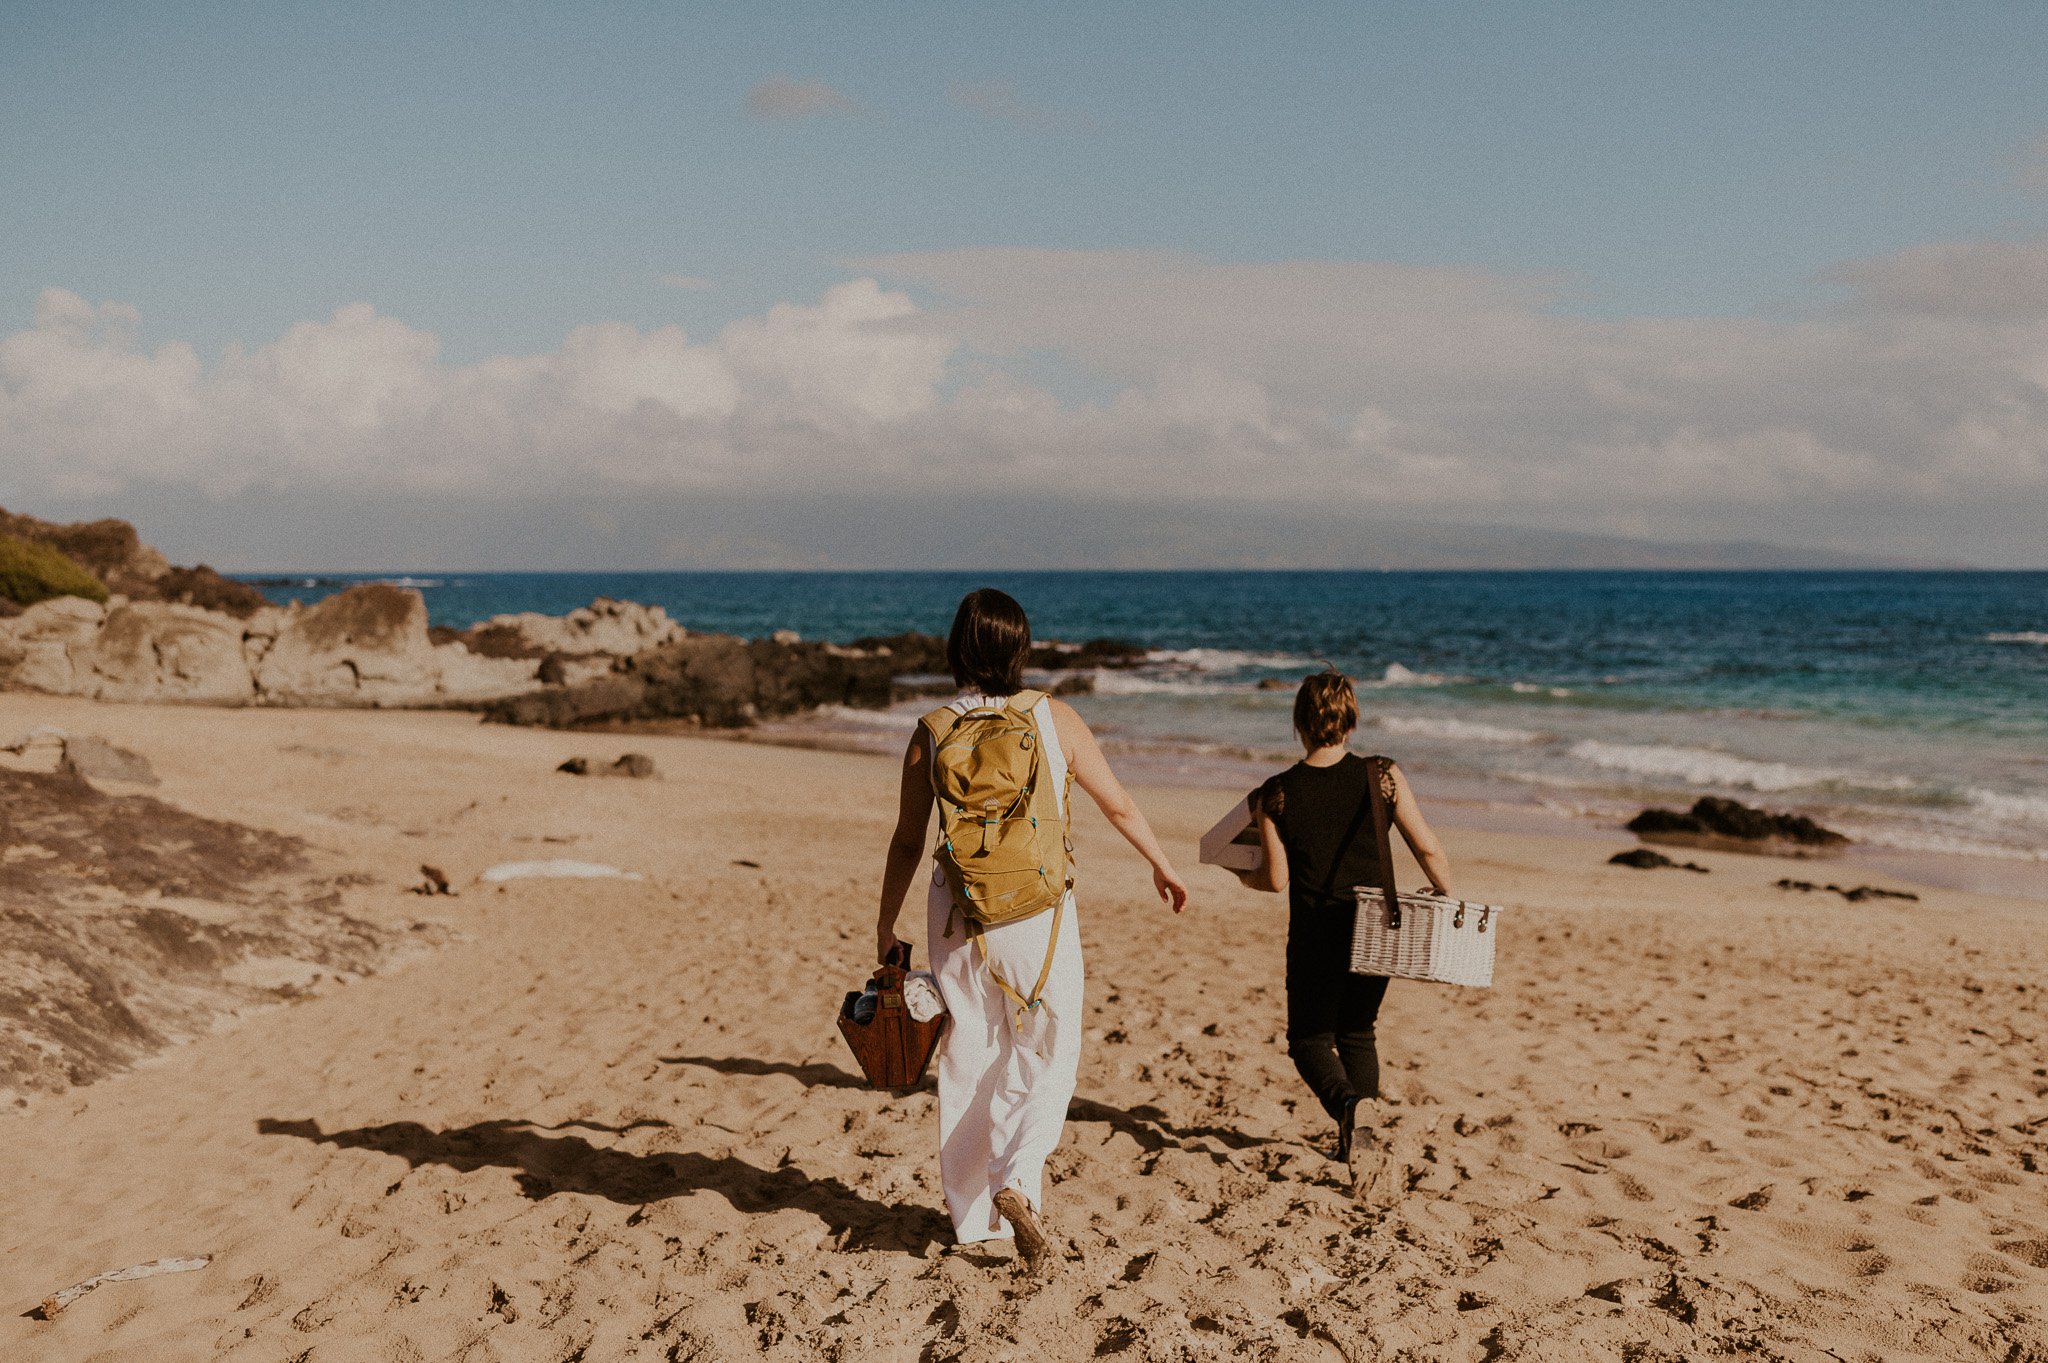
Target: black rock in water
(1713, 816)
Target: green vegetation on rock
(31, 572)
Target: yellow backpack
(1003, 838)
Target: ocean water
(1909, 710)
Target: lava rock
(1713, 816)
(1644, 859)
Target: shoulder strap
(1379, 781)
(1024, 702)
(940, 722)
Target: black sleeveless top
(1325, 823)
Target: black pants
(1330, 1011)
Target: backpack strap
(940, 722)
(1023, 1005)
(1024, 702)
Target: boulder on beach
(1714, 822)
(49, 646)
(1644, 859)
(368, 645)
(147, 650)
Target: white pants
(1002, 1105)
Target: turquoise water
(1909, 709)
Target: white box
(1234, 842)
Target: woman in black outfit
(1315, 822)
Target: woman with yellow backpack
(999, 763)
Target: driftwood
(57, 1301)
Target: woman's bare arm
(1271, 877)
(906, 844)
(1092, 774)
(1419, 836)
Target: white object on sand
(556, 870)
(1226, 843)
(57, 1301)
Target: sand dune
(611, 1120)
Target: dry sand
(611, 1120)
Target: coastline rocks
(713, 680)
(918, 662)
(604, 627)
(1643, 859)
(368, 645)
(1714, 822)
(109, 549)
(637, 765)
(152, 651)
(208, 590)
(48, 647)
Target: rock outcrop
(713, 680)
(603, 628)
(1716, 822)
(147, 650)
(109, 549)
(49, 646)
(367, 645)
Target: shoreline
(2006, 877)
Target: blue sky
(496, 176)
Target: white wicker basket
(1424, 937)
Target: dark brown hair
(1325, 708)
(991, 638)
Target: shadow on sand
(813, 1076)
(1146, 1125)
(545, 1165)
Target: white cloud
(685, 281)
(781, 99)
(1382, 389)
(1994, 281)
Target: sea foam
(1705, 767)
(2024, 636)
(1465, 730)
(1226, 659)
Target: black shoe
(1347, 1126)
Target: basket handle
(899, 955)
(1379, 780)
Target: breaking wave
(2024, 636)
(1464, 730)
(1226, 659)
(1705, 767)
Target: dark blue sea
(1908, 709)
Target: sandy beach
(610, 1119)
